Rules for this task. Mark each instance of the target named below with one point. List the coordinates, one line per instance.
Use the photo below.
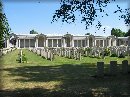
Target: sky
(28, 15)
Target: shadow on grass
(76, 82)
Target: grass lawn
(62, 77)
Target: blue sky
(25, 16)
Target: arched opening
(40, 41)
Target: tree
(117, 32)
(88, 10)
(128, 33)
(4, 27)
(33, 32)
(87, 34)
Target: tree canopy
(33, 32)
(88, 10)
(119, 33)
(128, 33)
(4, 26)
(87, 34)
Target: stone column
(64, 44)
(95, 42)
(109, 43)
(88, 41)
(81, 44)
(77, 43)
(99, 43)
(57, 42)
(114, 42)
(103, 42)
(36, 43)
(19, 43)
(129, 41)
(72, 43)
(85, 42)
(24, 43)
(46, 42)
(52, 42)
(106, 42)
(29, 43)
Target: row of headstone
(6, 50)
(69, 53)
(46, 53)
(99, 51)
(125, 50)
(113, 68)
(95, 51)
(76, 53)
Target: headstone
(125, 66)
(51, 56)
(21, 56)
(69, 54)
(100, 69)
(86, 53)
(79, 56)
(113, 68)
(76, 55)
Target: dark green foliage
(128, 33)
(33, 32)
(87, 34)
(124, 14)
(4, 26)
(121, 56)
(88, 10)
(114, 55)
(107, 52)
(88, 49)
(24, 58)
(118, 32)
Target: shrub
(121, 56)
(107, 52)
(88, 49)
(24, 58)
(114, 55)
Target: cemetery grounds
(61, 77)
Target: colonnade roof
(61, 35)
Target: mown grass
(61, 77)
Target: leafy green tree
(4, 27)
(128, 33)
(88, 10)
(117, 32)
(33, 32)
(87, 34)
